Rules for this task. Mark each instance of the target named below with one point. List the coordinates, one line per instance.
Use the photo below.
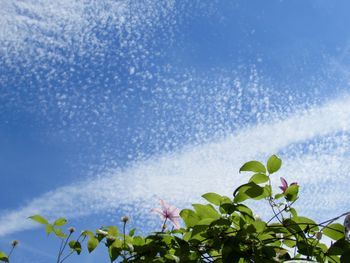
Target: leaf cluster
(224, 229)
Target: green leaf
(245, 211)
(267, 191)
(259, 178)
(114, 253)
(293, 212)
(87, 233)
(60, 222)
(334, 231)
(92, 243)
(306, 224)
(118, 243)
(305, 248)
(112, 231)
(49, 229)
(273, 164)
(213, 198)
(190, 217)
(132, 232)
(338, 247)
(290, 242)
(227, 208)
(231, 252)
(173, 258)
(291, 193)
(206, 211)
(333, 259)
(269, 252)
(278, 196)
(138, 241)
(39, 219)
(58, 232)
(75, 245)
(253, 166)
(259, 226)
(3, 257)
(206, 221)
(248, 191)
(345, 257)
(293, 228)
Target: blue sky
(106, 106)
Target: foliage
(6, 257)
(223, 230)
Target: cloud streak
(46, 28)
(183, 176)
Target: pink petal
(284, 183)
(175, 223)
(159, 211)
(173, 211)
(164, 205)
(168, 212)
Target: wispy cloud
(45, 28)
(183, 176)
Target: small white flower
(111, 238)
(279, 235)
(101, 232)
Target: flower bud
(14, 243)
(319, 235)
(124, 219)
(71, 230)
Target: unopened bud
(318, 235)
(14, 243)
(71, 230)
(124, 219)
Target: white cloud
(183, 176)
(43, 28)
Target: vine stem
(124, 241)
(70, 253)
(333, 219)
(10, 252)
(163, 225)
(280, 212)
(62, 247)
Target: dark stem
(280, 212)
(70, 253)
(163, 226)
(67, 256)
(60, 251)
(13, 247)
(124, 242)
(63, 247)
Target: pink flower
(168, 212)
(284, 185)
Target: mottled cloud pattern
(182, 177)
(196, 127)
